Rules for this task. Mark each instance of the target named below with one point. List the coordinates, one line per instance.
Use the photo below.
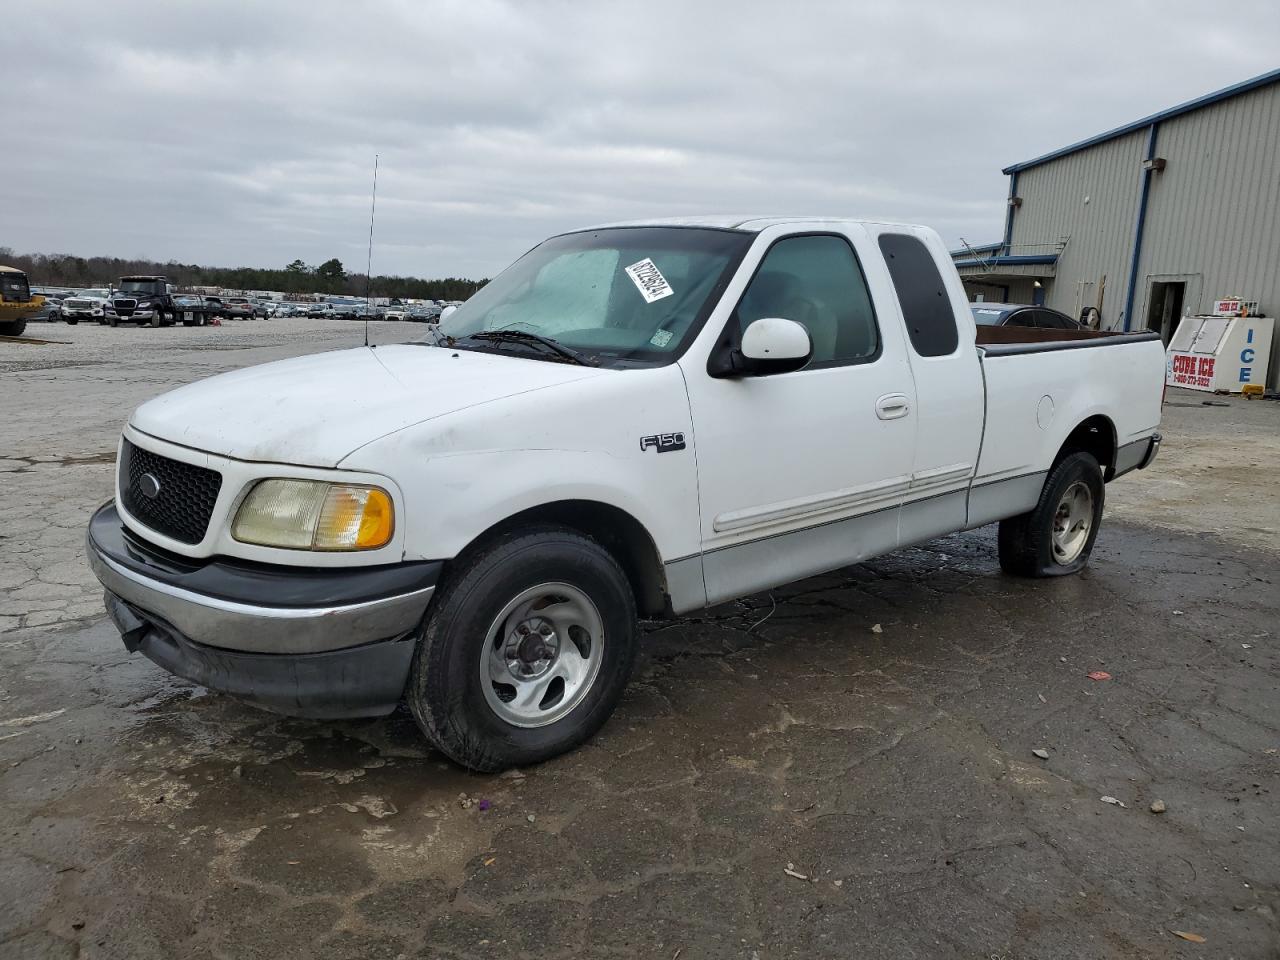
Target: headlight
(311, 515)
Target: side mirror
(769, 345)
(447, 312)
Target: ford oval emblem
(149, 486)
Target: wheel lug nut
(523, 629)
(545, 630)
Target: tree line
(330, 277)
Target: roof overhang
(1041, 265)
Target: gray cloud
(244, 134)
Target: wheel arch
(1095, 435)
(625, 537)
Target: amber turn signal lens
(354, 518)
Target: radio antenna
(368, 270)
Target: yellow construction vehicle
(16, 301)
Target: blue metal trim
(1208, 99)
(964, 251)
(1040, 259)
(1008, 212)
(1138, 229)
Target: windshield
(14, 286)
(141, 286)
(98, 293)
(986, 316)
(631, 294)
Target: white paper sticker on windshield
(649, 280)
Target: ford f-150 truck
(631, 421)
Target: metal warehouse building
(1148, 222)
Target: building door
(1164, 307)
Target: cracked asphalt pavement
(842, 768)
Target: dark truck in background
(154, 301)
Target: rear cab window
(926, 305)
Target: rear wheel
(72, 321)
(1057, 536)
(12, 328)
(525, 651)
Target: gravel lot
(842, 769)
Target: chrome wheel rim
(1072, 522)
(542, 655)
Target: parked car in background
(1021, 315)
(239, 308)
(424, 313)
(215, 308)
(395, 313)
(321, 310)
(263, 309)
(51, 311)
(86, 305)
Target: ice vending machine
(1224, 351)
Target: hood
(314, 411)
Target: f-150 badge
(663, 442)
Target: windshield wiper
(525, 336)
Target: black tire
(72, 321)
(113, 321)
(12, 328)
(446, 685)
(1027, 543)
(155, 319)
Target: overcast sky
(244, 134)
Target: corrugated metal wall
(1213, 216)
(1100, 231)
(1017, 290)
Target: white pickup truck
(631, 421)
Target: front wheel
(525, 651)
(12, 328)
(1056, 537)
(72, 321)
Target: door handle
(893, 406)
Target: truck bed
(996, 340)
(1039, 385)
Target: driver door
(806, 471)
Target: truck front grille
(184, 493)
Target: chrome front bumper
(242, 607)
(320, 643)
